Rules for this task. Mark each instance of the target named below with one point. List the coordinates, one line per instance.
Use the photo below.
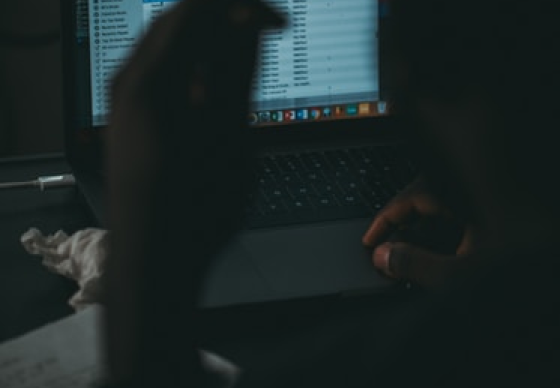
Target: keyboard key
(274, 207)
(299, 204)
(276, 194)
(323, 187)
(301, 191)
(326, 201)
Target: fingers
(407, 205)
(412, 263)
(388, 219)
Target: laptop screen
(323, 66)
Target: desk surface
(257, 339)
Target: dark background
(30, 78)
(30, 138)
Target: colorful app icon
(327, 111)
(382, 107)
(338, 111)
(302, 114)
(351, 109)
(264, 117)
(289, 115)
(253, 118)
(315, 113)
(276, 116)
(364, 109)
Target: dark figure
(477, 86)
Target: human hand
(179, 170)
(178, 142)
(417, 239)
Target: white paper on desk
(64, 354)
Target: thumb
(410, 262)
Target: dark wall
(30, 79)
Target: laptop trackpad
(233, 279)
(315, 260)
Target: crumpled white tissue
(81, 257)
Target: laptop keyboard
(326, 185)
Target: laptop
(329, 148)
